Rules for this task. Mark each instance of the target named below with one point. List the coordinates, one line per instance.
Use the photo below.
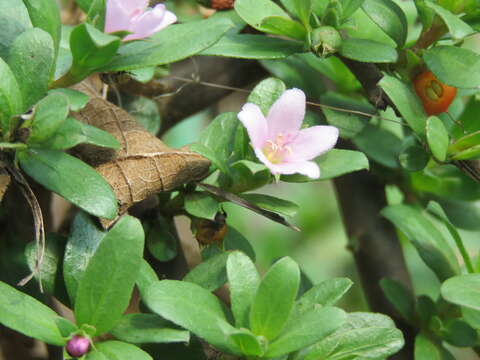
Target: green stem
(65, 81)
(20, 146)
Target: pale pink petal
(150, 22)
(117, 17)
(287, 113)
(133, 6)
(308, 168)
(261, 156)
(312, 142)
(252, 118)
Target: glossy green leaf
(307, 329)
(73, 132)
(364, 335)
(201, 205)
(10, 100)
(368, 51)
(248, 175)
(325, 293)
(105, 289)
(210, 274)
(254, 11)
(50, 113)
(72, 179)
(45, 14)
(146, 112)
(463, 290)
(399, 297)
(253, 47)
(76, 99)
(243, 279)
(454, 66)
(248, 343)
(118, 350)
(349, 7)
(437, 138)
(413, 156)
(31, 60)
(460, 334)
(161, 239)
(146, 277)
(465, 142)
(472, 317)
(272, 203)
(147, 328)
(470, 153)
(427, 349)
(429, 242)
(266, 92)
(334, 163)
(85, 235)
(457, 28)
(275, 298)
(234, 240)
(14, 20)
(349, 124)
(170, 45)
(406, 102)
(28, 316)
(303, 10)
(84, 4)
(193, 308)
(389, 17)
(91, 50)
(283, 26)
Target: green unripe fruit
(326, 40)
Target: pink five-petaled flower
(278, 140)
(133, 16)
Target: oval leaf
(368, 51)
(437, 138)
(253, 12)
(117, 350)
(463, 290)
(10, 100)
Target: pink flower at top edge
(278, 140)
(133, 16)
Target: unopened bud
(78, 346)
(326, 40)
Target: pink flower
(278, 140)
(133, 16)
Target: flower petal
(312, 142)
(133, 6)
(252, 118)
(308, 168)
(287, 113)
(150, 22)
(117, 17)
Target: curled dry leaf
(4, 181)
(144, 165)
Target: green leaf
(368, 51)
(76, 99)
(28, 316)
(70, 178)
(84, 4)
(349, 124)
(14, 20)
(193, 308)
(457, 28)
(91, 50)
(283, 26)
(454, 66)
(304, 10)
(272, 203)
(437, 138)
(73, 132)
(10, 100)
(81, 245)
(247, 175)
(243, 279)
(325, 293)
(389, 17)
(248, 343)
(145, 111)
(348, 7)
(413, 156)
(275, 298)
(266, 92)
(460, 334)
(50, 273)
(406, 102)
(147, 328)
(105, 288)
(31, 60)
(253, 47)
(210, 274)
(170, 45)
(364, 335)
(201, 205)
(254, 11)
(234, 240)
(45, 14)
(472, 317)
(146, 277)
(117, 350)
(307, 329)
(49, 114)
(429, 242)
(399, 297)
(426, 349)
(161, 238)
(463, 290)
(334, 163)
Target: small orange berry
(436, 96)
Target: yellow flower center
(275, 151)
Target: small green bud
(326, 40)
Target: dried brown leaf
(4, 182)
(144, 165)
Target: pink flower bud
(78, 346)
